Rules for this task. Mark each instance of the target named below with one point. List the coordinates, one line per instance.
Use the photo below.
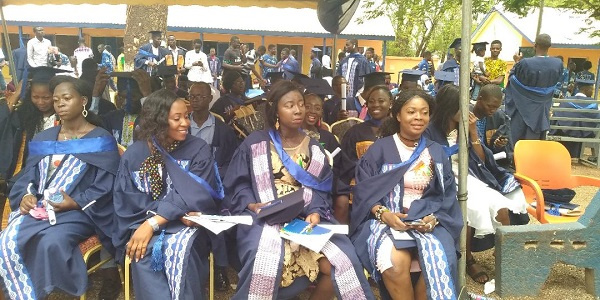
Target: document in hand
(299, 232)
(217, 224)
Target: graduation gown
(528, 96)
(224, 143)
(439, 199)
(259, 246)
(142, 56)
(575, 147)
(47, 257)
(225, 104)
(358, 68)
(113, 123)
(185, 249)
(331, 109)
(11, 139)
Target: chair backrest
(546, 162)
(339, 128)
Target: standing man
(214, 64)
(268, 61)
(494, 66)
(294, 61)
(37, 49)
(81, 53)
(151, 55)
(197, 64)
(176, 55)
(315, 65)
(370, 56)
(232, 59)
(529, 92)
(452, 64)
(108, 62)
(353, 67)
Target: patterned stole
(269, 254)
(12, 267)
(432, 257)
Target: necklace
(407, 140)
(76, 136)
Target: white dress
(483, 202)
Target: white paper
(344, 90)
(401, 235)
(336, 229)
(217, 224)
(314, 242)
(500, 155)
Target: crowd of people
(132, 169)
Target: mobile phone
(418, 222)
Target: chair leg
(211, 277)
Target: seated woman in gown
(62, 197)
(268, 165)
(165, 175)
(405, 209)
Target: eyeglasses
(198, 97)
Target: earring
(277, 123)
(84, 112)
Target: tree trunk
(140, 20)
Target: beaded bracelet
(380, 212)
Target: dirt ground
(564, 282)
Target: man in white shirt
(197, 62)
(81, 53)
(37, 49)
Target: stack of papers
(299, 232)
(217, 224)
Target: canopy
(259, 3)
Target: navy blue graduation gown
(185, 248)
(224, 143)
(250, 180)
(529, 96)
(355, 82)
(140, 59)
(225, 104)
(113, 123)
(439, 198)
(331, 109)
(575, 147)
(48, 257)
(358, 133)
(11, 137)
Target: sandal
(477, 276)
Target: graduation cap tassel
(158, 257)
(128, 99)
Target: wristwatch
(152, 221)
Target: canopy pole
(334, 55)
(463, 155)
(383, 55)
(539, 24)
(13, 68)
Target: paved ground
(564, 281)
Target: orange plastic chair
(546, 165)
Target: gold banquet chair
(340, 127)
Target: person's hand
(136, 247)
(314, 219)
(151, 64)
(342, 115)
(66, 205)
(394, 220)
(255, 207)
(500, 142)
(517, 57)
(429, 223)
(102, 79)
(473, 125)
(13, 99)
(143, 80)
(262, 83)
(278, 64)
(189, 223)
(27, 203)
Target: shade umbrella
(334, 16)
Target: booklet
(217, 224)
(299, 232)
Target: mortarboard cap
(124, 80)
(455, 44)
(373, 79)
(153, 32)
(479, 45)
(166, 71)
(584, 82)
(274, 75)
(411, 75)
(284, 209)
(445, 76)
(298, 76)
(315, 50)
(317, 86)
(44, 74)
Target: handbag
(247, 119)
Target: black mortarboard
(298, 76)
(317, 86)
(44, 74)
(584, 82)
(284, 209)
(445, 76)
(166, 71)
(455, 44)
(124, 80)
(373, 79)
(411, 75)
(153, 32)
(479, 45)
